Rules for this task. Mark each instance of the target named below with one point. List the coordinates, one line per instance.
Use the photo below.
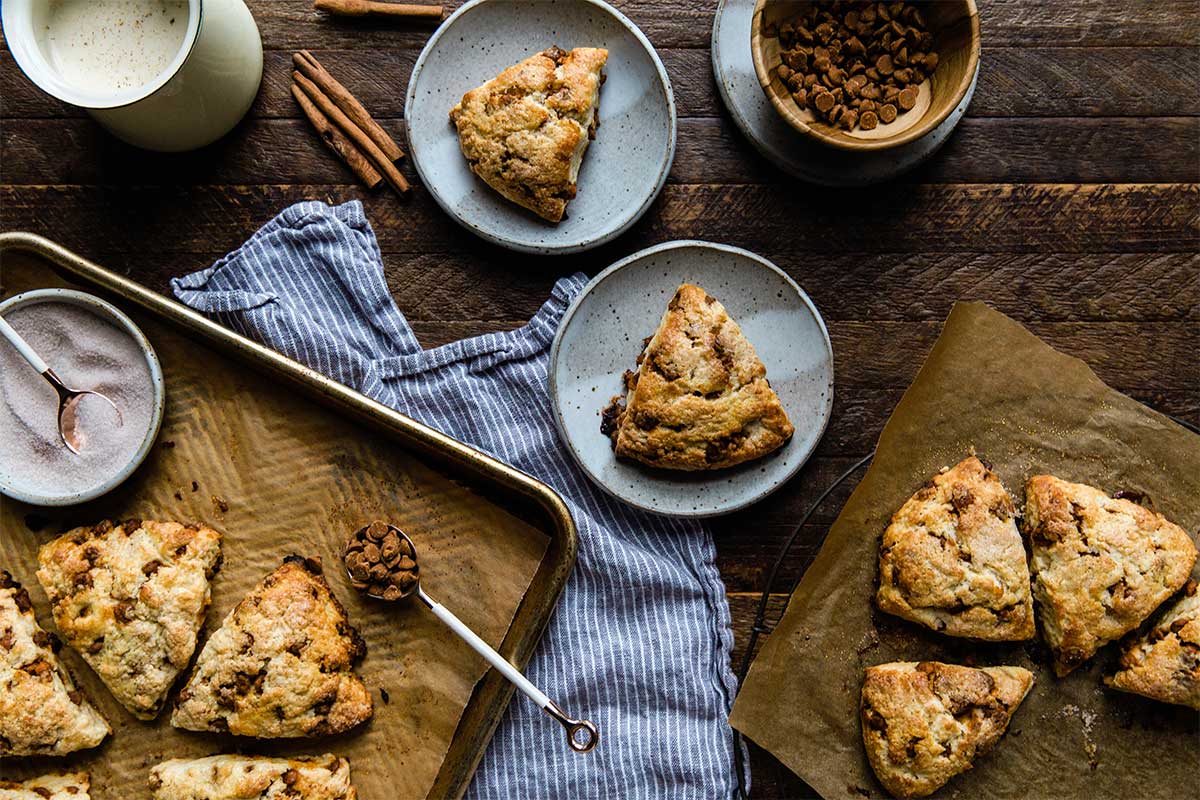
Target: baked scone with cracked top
(41, 711)
(281, 665)
(232, 777)
(131, 598)
(1164, 664)
(953, 560)
(1101, 565)
(700, 398)
(923, 723)
(525, 131)
(71, 786)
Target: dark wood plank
(1111, 150)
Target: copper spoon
(582, 735)
(68, 399)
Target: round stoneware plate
(601, 336)
(623, 169)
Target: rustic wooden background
(1068, 199)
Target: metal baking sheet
(281, 459)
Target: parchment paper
(293, 477)
(991, 385)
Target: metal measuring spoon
(68, 399)
(582, 735)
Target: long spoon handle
(582, 735)
(22, 346)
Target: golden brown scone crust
(71, 786)
(281, 665)
(1101, 565)
(952, 558)
(1165, 663)
(700, 398)
(41, 711)
(525, 131)
(131, 598)
(324, 777)
(923, 723)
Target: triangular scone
(525, 131)
(1101, 565)
(952, 558)
(41, 711)
(324, 777)
(72, 786)
(281, 665)
(700, 398)
(1164, 664)
(923, 723)
(131, 598)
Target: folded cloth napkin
(641, 638)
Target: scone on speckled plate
(525, 131)
(1164, 664)
(324, 777)
(1101, 565)
(131, 598)
(923, 723)
(41, 711)
(952, 558)
(71, 786)
(281, 665)
(700, 398)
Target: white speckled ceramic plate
(601, 336)
(623, 169)
(790, 150)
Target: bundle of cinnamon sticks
(345, 125)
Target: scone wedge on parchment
(231, 777)
(131, 597)
(1101, 565)
(41, 711)
(1164, 664)
(525, 131)
(952, 558)
(700, 398)
(281, 665)
(69, 786)
(923, 723)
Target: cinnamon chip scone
(72, 786)
(700, 398)
(324, 777)
(1101, 565)
(131, 598)
(923, 723)
(281, 665)
(952, 558)
(1165, 663)
(525, 131)
(41, 711)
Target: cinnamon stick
(377, 156)
(347, 102)
(361, 8)
(337, 142)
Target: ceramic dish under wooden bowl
(955, 27)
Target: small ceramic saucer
(601, 336)
(733, 69)
(623, 169)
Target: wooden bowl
(955, 27)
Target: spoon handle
(574, 727)
(22, 346)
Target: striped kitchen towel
(641, 638)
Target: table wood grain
(1068, 198)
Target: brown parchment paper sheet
(294, 478)
(991, 385)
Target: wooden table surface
(1067, 198)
